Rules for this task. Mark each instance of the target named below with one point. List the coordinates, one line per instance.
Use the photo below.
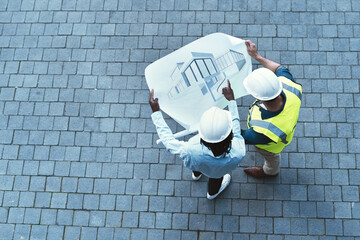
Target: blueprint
(189, 81)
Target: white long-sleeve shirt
(198, 157)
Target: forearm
(235, 117)
(267, 63)
(165, 134)
(251, 137)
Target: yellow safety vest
(280, 128)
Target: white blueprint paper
(189, 81)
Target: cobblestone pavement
(77, 145)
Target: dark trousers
(214, 184)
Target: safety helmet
(263, 84)
(215, 125)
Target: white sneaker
(225, 182)
(194, 177)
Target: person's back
(215, 152)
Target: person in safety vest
(215, 151)
(273, 116)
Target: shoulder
(283, 71)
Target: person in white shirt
(215, 151)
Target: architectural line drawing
(189, 80)
(205, 73)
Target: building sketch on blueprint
(204, 74)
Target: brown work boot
(258, 172)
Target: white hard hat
(215, 125)
(263, 84)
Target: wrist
(258, 57)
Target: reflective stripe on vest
(293, 90)
(271, 127)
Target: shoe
(258, 172)
(225, 182)
(196, 178)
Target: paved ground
(77, 146)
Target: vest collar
(265, 114)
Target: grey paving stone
(307, 209)
(58, 200)
(53, 184)
(213, 223)
(88, 232)
(141, 171)
(97, 218)
(189, 205)
(139, 234)
(91, 201)
(55, 232)
(7, 230)
(299, 226)
(72, 232)
(351, 228)
(354, 177)
(282, 225)
(334, 227)
(247, 224)
(48, 216)
(74, 201)
(65, 217)
(342, 210)
(273, 208)
(325, 210)
(256, 208)
(11, 199)
(248, 190)
(81, 218)
(140, 203)
(316, 193)
(62, 168)
(347, 161)
(32, 216)
(264, 225)
(298, 192)
(130, 219)
(101, 186)
(196, 222)
(113, 219)
(3, 215)
(172, 204)
(340, 177)
(316, 226)
(26, 199)
(21, 231)
(332, 193)
(147, 220)
(16, 215)
(291, 209)
(105, 233)
(15, 168)
(38, 231)
(166, 187)
(155, 234)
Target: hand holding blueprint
(189, 81)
